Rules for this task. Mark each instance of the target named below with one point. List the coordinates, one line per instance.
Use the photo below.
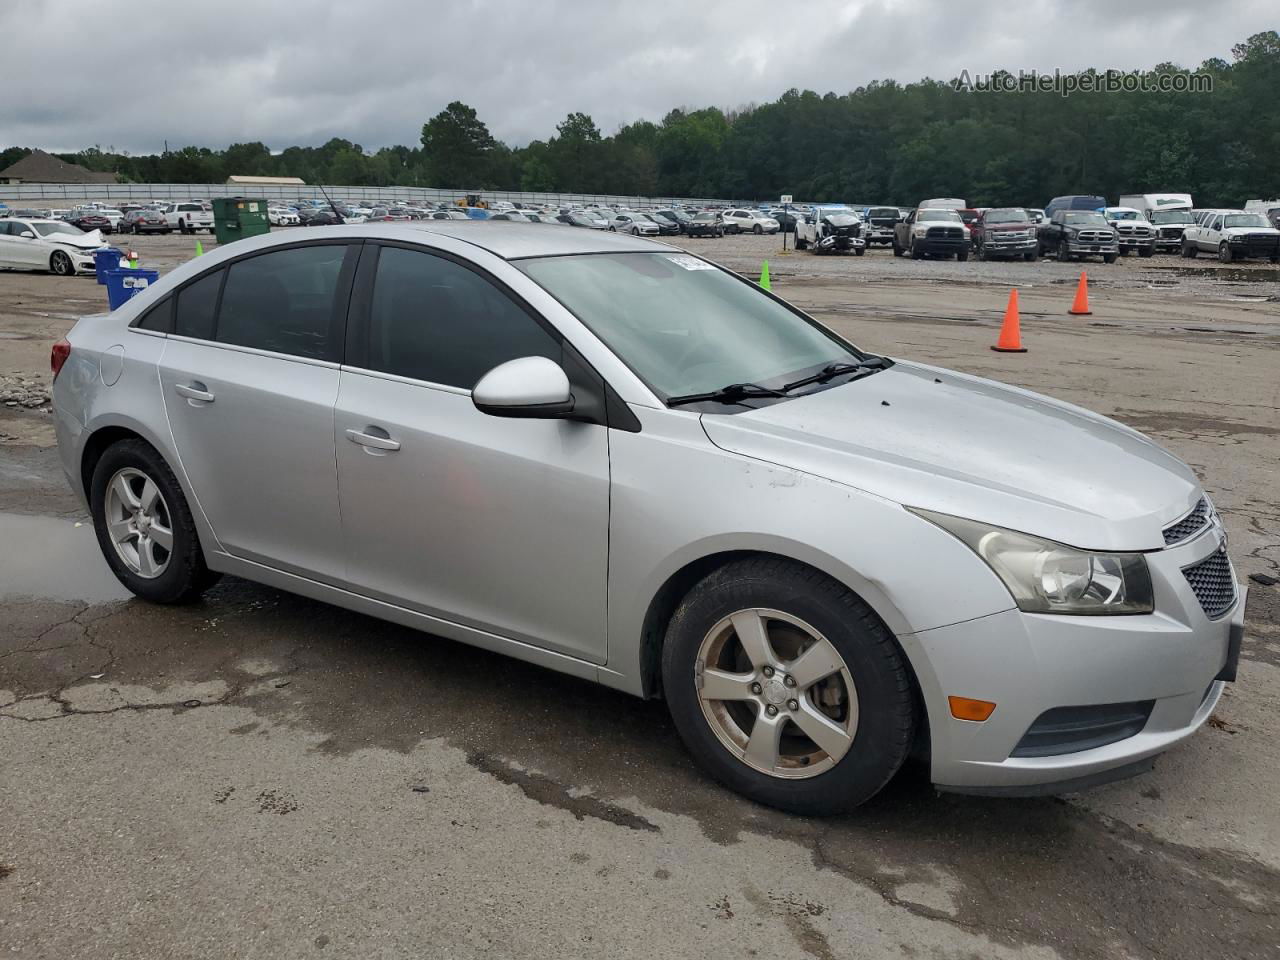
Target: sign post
(786, 203)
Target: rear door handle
(196, 391)
(373, 440)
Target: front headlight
(1049, 577)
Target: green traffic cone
(764, 275)
(199, 249)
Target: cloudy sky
(301, 71)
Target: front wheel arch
(677, 585)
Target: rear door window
(197, 306)
(286, 301)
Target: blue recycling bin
(127, 283)
(108, 258)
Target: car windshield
(48, 229)
(1084, 218)
(1171, 216)
(684, 325)
(882, 213)
(707, 217)
(934, 213)
(1007, 216)
(1245, 220)
(1123, 214)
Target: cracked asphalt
(261, 775)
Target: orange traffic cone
(1010, 340)
(1080, 307)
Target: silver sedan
(617, 460)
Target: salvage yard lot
(260, 775)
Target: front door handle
(373, 440)
(196, 391)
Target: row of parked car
(186, 216)
(1068, 228)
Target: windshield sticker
(691, 263)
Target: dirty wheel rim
(139, 523)
(776, 693)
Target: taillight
(58, 356)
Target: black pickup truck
(1069, 234)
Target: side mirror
(27, 235)
(532, 387)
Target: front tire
(962, 255)
(1189, 250)
(1224, 252)
(787, 688)
(60, 264)
(144, 526)
(1109, 258)
(1064, 252)
(757, 230)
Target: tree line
(884, 142)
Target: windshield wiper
(733, 393)
(832, 370)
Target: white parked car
(60, 248)
(741, 220)
(1233, 235)
(636, 224)
(188, 217)
(1133, 230)
(283, 216)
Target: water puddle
(1227, 274)
(53, 559)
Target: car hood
(952, 443)
(1238, 231)
(90, 240)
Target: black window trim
(343, 295)
(608, 408)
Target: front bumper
(1000, 246)
(1102, 249)
(840, 241)
(83, 261)
(1027, 664)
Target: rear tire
(864, 709)
(182, 574)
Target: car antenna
(332, 205)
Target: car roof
(508, 239)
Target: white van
(1268, 208)
(1149, 203)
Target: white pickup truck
(188, 217)
(1233, 235)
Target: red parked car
(89, 220)
(1003, 232)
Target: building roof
(41, 167)
(267, 181)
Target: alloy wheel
(776, 693)
(139, 523)
(61, 264)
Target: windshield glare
(1245, 220)
(1093, 219)
(1171, 216)
(683, 325)
(1124, 214)
(47, 229)
(933, 213)
(1006, 216)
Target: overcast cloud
(299, 72)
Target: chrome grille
(1095, 236)
(944, 233)
(1212, 583)
(1192, 523)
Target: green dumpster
(235, 218)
